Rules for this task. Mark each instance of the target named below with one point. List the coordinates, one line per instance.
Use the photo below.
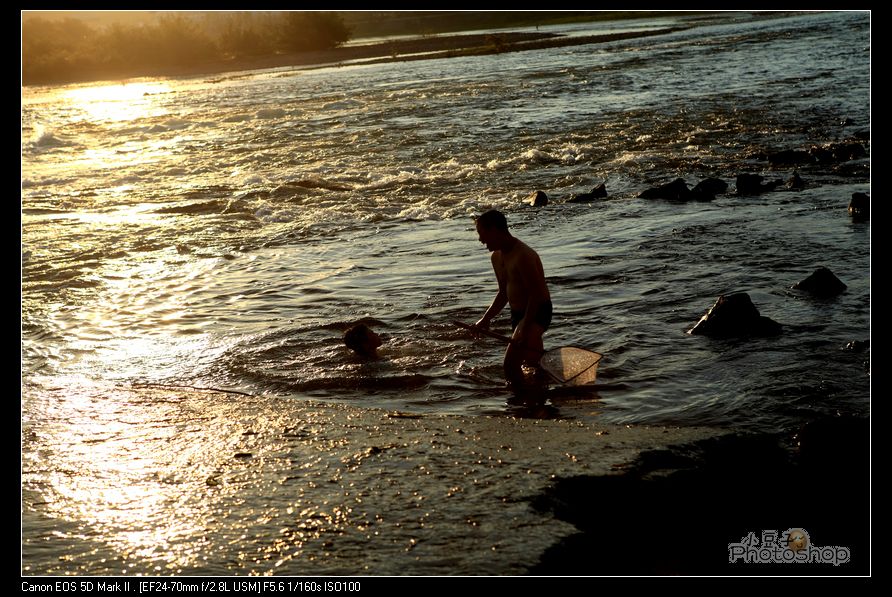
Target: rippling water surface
(224, 231)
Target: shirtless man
(522, 285)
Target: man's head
(362, 340)
(492, 229)
(492, 219)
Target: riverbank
(165, 481)
(726, 505)
(423, 48)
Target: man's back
(520, 270)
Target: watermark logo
(793, 546)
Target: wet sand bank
(169, 482)
(156, 481)
(679, 511)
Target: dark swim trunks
(542, 316)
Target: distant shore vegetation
(71, 49)
(73, 46)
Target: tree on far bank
(301, 31)
(49, 46)
(67, 50)
(242, 33)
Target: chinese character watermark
(794, 546)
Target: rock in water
(713, 186)
(857, 345)
(599, 192)
(735, 315)
(795, 183)
(859, 207)
(751, 184)
(677, 190)
(538, 199)
(821, 283)
(791, 156)
(843, 152)
(838, 152)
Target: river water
(224, 231)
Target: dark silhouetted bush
(300, 31)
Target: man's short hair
(493, 219)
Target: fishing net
(572, 366)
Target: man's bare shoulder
(524, 251)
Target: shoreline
(312, 487)
(261, 485)
(379, 53)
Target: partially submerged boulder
(599, 192)
(735, 315)
(790, 156)
(821, 283)
(751, 184)
(677, 190)
(537, 199)
(795, 183)
(847, 151)
(857, 345)
(712, 186)
(859, 207)
(838, 152)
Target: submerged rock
(821, 154)
(538, 199)
(735, 315)
(859, 207)
(795, 182)
(857, 345)
(838, 152)
(599, 192)
(821, 283)
(700, 194)
(712, 186)
(847, 151)
(677, 190)
(751, 184)
(791, 156)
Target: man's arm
(501, 299)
